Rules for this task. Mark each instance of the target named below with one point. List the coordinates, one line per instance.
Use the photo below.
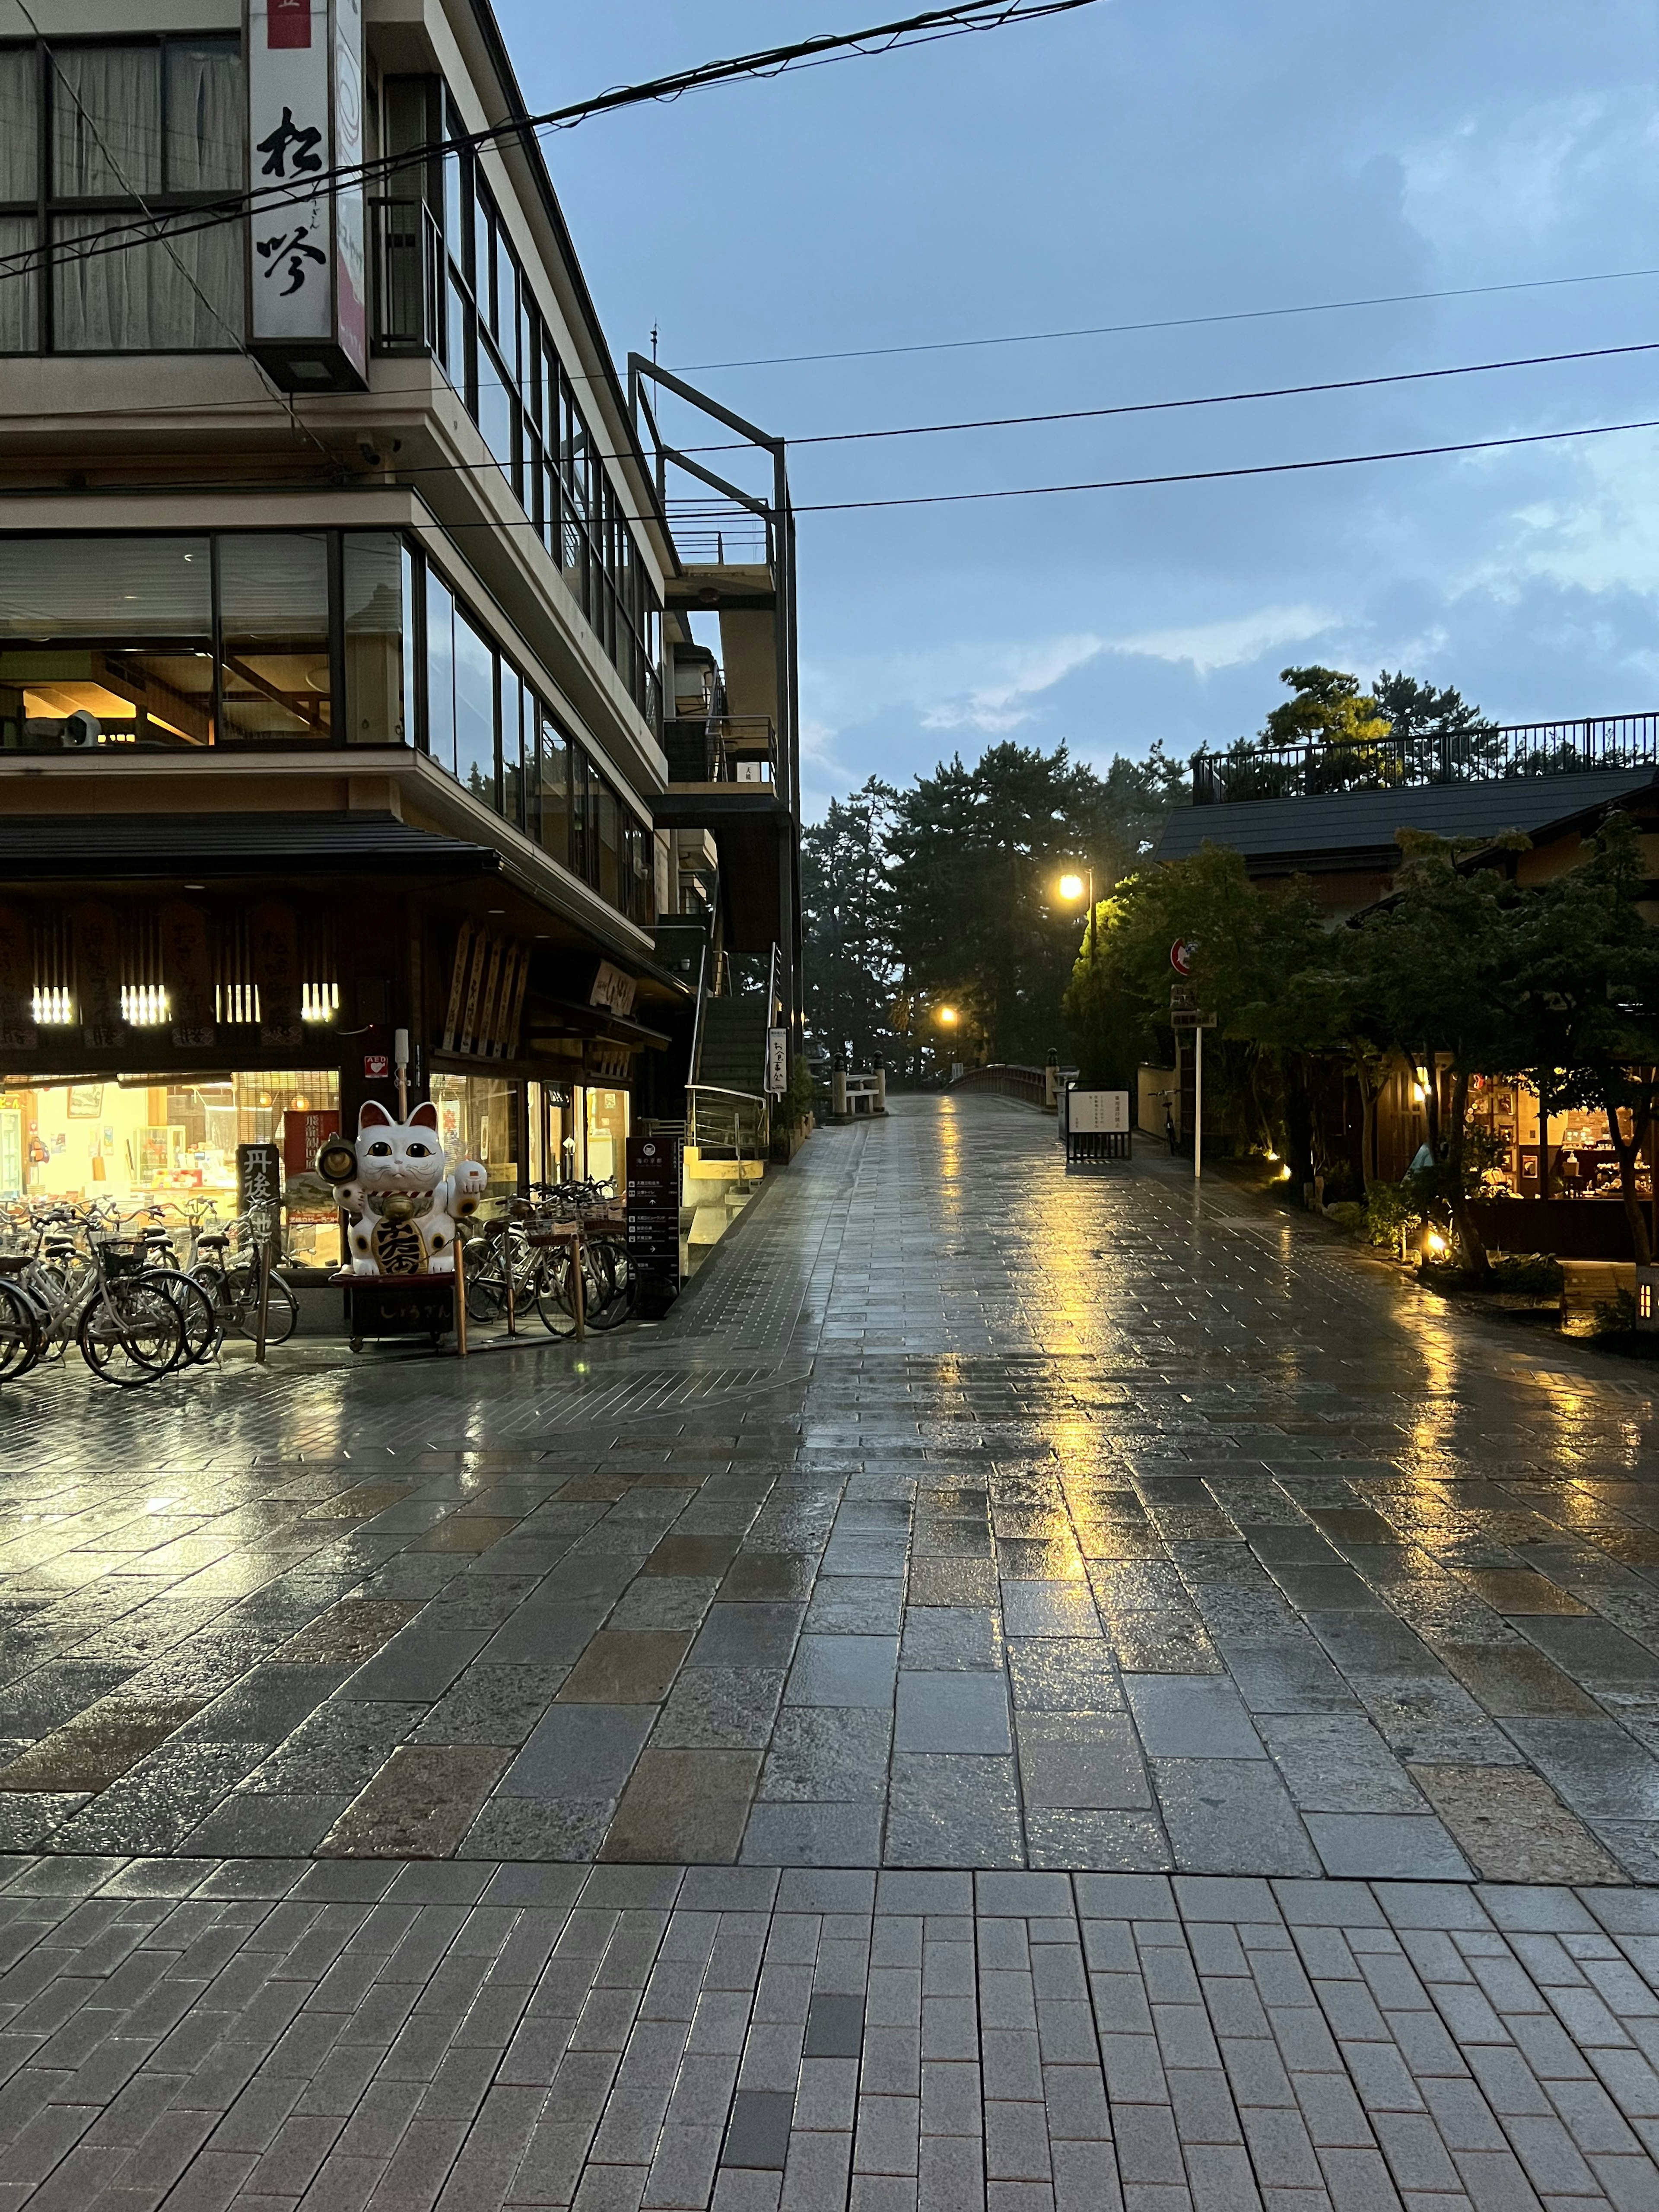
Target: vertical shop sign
(483, 1035)
(305, 122)
(18, 1029)
(458, 976)
(351, 291)
(274, 938)
(777, 1061)
(259, 1178)
(654, 1223)
(96, 936)
(515, 1009)
(187, 971)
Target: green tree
(852, 970)
(975, 857)
(1442, 736)
(1590, 998)
(1439, 970)
(1327, 708)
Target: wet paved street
(1182, 1610)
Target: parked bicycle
(534, 1244)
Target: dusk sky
(1132, 163)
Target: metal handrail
(1490, 753)
(406, 247)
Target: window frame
(48, 206)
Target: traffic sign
(1181, 955)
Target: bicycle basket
(123, 1259)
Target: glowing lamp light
(947, 1016)
(1071, 887)
(1417, 1094)
(1434, 1241)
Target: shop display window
(478, 1120)
(173, 1141)
(605, 1124)
(276, 673)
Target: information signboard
(1092, 1113)
(259, 1179)
(654, 1223)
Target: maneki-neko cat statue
(403, 1209)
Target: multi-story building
(336, 593)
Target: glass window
(173, 1143)
(610, 817)
(496, 409)
(511, 694)
(105, 641)
(181, 291)
(276, 678)
(106, 121)
(478, 1120)
(206, 116)
(19, 292)
(20, 132)
(375, 565)
(552, 831)
(440, 672)
(475, 714)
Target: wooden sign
(18, 1031)
(458, 976)
(96, 935)
(187, 967)
(274, 941)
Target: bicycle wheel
(22, 1330)
(197, 1312)
(552, 1292)
(486, 1280)
(212, 1281)
(130, 1333)
(281, 1307)
(613, 1289)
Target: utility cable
(1173, 322)
(927, 499)
(1212, 399)
(960, 20)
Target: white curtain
(20, 135)
(18, 331)
(107, 121)
(150, 296)
(206, 118)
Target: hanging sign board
(613, 990)
(305, 262)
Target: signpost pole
(459, 1248)
(1198, 1103)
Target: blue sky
(1134, 161)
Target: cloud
(1005, 704)
(1209, 646)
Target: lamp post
(1072, 888)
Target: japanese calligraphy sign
(304, 116)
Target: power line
(1173, 322)
(915, 499)
(1213, 399)
(957, 21)
(1216, 475)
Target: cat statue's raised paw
(404, 1210)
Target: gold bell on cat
(396, 1206)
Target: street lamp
(947, 1017)
(1072, 888)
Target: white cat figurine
(403, 1208)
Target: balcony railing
(1493, 754)
(722, 749)
(407, 250)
